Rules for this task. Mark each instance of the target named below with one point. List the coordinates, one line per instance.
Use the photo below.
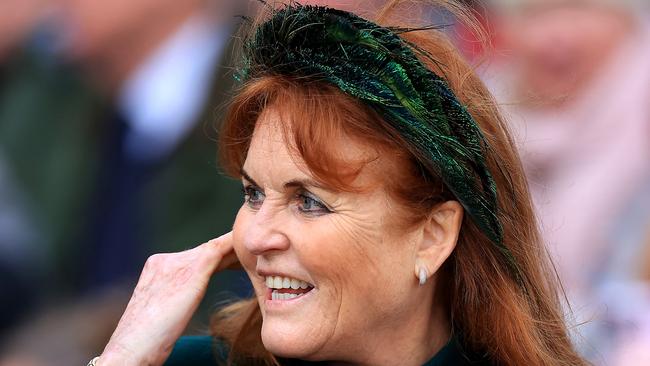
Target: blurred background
(108, 154)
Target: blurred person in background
(18, 249)
(574, 78)
(105, 138)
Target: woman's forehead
(269, 152)
(275, 130)
(273, 151)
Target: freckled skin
(366, 298)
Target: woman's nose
(265, 234)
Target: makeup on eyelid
(302, 197)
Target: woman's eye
(253, 197)
(311, 205)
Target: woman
(385, 221)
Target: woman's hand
(168, 292)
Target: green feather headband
(374, 65)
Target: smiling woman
(348, 245)
(386, 219)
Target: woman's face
(356, 265)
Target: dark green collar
(205, 351)
(450, 354)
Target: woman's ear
(439, 237)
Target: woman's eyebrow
(294, 183)
(301, 183)
(248, 177)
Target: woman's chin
(289, 342)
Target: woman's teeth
(279, 296)
(285, 288)
(277, 282)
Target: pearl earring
(422, 275)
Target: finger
(229, 258)
(229, 261)
(219, 253)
